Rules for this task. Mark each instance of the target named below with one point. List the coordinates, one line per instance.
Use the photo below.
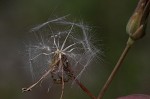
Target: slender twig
(84, 89)
(69, 69)
(113, 73)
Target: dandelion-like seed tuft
(61, 51)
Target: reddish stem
(84, 89)
(114, 72)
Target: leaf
(135, 96)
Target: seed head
(58, 38)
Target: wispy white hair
(71, 38)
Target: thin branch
(84, 89)
(113, 73)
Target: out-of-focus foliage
(108, 20)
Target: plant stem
(113, 73)
(85, 89)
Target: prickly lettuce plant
(63, 50)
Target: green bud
(133, 24)
(137, 23)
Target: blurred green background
(108, 20)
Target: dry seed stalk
(65, 56)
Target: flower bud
(137, 23)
